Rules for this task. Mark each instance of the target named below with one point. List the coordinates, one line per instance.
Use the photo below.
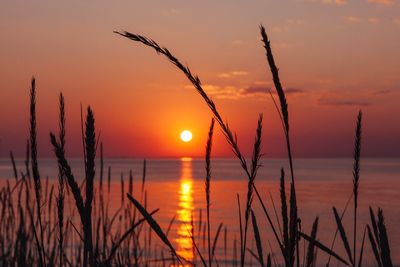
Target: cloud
(382, 2)
(264, 90)
(222, 92)
(232, 73)
(233, 92)
(341, 102)
(256, 90)
(239, 73)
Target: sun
(186, 136)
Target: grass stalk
(356, 178)
(208, 185)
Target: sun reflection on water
(184, 212)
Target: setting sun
(185, 126)
(186, 136)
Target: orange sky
(335, 57)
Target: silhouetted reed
(35, 171)
(311, 257)
(379, 239)
(356, 178)
(60, 198)
(207, 186)
(30, 236)
(258, 239)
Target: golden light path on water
(185, 211)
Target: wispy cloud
(382, 2)
(232, 74)
(256, 90)
(222, 92)
(233, 92)
(239, 73)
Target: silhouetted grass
(61, 194)
(208, 185)
(29, 236)
(379, 239)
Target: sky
(335, 57)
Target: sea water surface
(176, 186)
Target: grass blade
(154, 225)
(293, 227)
(337, 230)
(269, 220)
(323, 248)
(374, 226)
(216, 240)
(125, 235)
(374, 247)
(171, 222)
(384, 241)
(14, 166)
(240, 227)
(310, 251)
(285, 219)
(362, 249)
(343, 235)
(258, 239)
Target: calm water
(176, 186)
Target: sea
(177, 187)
